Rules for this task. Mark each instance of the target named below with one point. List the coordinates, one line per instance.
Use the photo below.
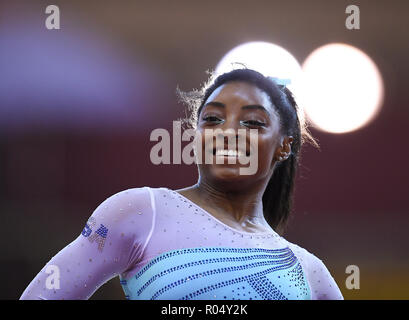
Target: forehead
(241, 93)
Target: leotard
(161, 245)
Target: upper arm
(111, 241)
(322, 284)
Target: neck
(244, 207)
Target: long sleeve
(321, 283)
(110, 243)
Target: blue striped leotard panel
(207, 273)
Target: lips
(230, 152)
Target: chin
(224, 174)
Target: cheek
(266, 148)
(206, 140)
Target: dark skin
(233, 198)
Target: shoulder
(126, 209)
(139, 195)
(320, 280)
(130, 201)
(307, 259)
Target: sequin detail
(88, 227)
(206, 272)
(209, 261)
(99, 236)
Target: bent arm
(106, 247)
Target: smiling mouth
(230, 153)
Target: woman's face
(232, 106)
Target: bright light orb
(268, 59)
(342, 88)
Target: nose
(230, 132)
(231, 125)
(230, 129)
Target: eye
(253, 123)
(212, 119)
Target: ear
(284, 149)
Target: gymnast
(219, 239)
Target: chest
(220, 273)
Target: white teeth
(229, 153)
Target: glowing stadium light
(342, 88)
(268, 59)
(264, 57)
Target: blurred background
(78, 104)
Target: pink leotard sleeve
(113, 238)
(322, 284)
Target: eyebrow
(250, 106)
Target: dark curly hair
(278, 195)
